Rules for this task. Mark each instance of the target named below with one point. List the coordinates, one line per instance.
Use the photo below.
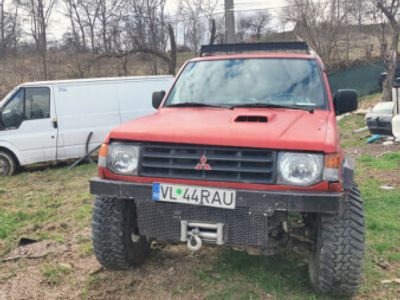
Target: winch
(194, 233)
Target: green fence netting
(362, 78)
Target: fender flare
(8, 147)
(348, 173)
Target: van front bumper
(263, 201)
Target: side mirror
(10, 119)
(345, 101)
(158, 98)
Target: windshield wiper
(195, 104)
(269, 105)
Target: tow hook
(195, 233)
(194, 242)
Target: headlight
(299, 168)
(123, 158)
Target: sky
(59, 24)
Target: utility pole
(229, 22)
(2, 22)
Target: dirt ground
(167, 274)
(166, 269)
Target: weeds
(55, 274)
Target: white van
(54, 120)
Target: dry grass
(26, 67)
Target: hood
(244, 127)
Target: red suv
(243, 151)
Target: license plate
(194, 195)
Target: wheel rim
(4, 167)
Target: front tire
(8, 165)
(335, 267)
(116, 240)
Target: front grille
(208, 163)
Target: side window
(13, 112)
(37, 103)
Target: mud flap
(348, 173)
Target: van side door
(26, 118)
(84, 108)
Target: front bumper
(248, 225)
(262, 201)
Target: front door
(27, 119)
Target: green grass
(346, 126)
(349, 123)
(44, 204)
(371, 97)
(54, 274)
(237, 275)
(383, 215)
(9, 222)
(86, 249)
(387, 162)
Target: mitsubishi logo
(203, 165)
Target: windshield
(8, 96)
(240, 82)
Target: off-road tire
(335, 267)
(114, 222)
(8, 165)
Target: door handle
(54, 122)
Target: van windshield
(241, 82)
(8, 96)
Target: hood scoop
(252, 119)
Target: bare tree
(318, 22)
(90, 11)
(110, 12)
(192, 11)
(255, 24)
(9, 25)
(390, 9)
(39, 13)
(209, 10)
(83, 16)
(169, 57)
(358, 10)
(141, 27)
(79, 21)
(144, 26)
(70, 14)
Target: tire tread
(341, 252)
(108, 225)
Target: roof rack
(246, 47)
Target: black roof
(248, 47)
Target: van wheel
(335, 267)
(116, 240)
(8, 165)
